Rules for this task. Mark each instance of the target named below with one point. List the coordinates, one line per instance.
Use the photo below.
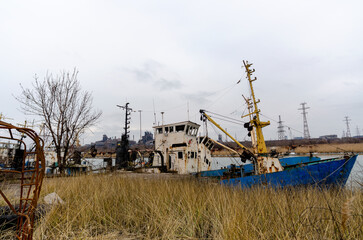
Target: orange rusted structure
(30, 178)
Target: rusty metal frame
(30, 181)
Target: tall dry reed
(142, 206)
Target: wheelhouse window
(189, 130)
(180, 155)
(192, 131)
(195, 131)
(179, 128)
(159, 130)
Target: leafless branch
(66, 110)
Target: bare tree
(66, 110)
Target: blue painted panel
(297, 160)
(248, 168)
(333, 172)
(213, 173)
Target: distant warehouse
(333, 136)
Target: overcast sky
(173, 52)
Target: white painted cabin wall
(164, 142)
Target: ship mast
(252, 133)
(255, 121)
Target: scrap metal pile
(22, 168)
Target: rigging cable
(243, 112)
(220, 115)
(337, 148)
(237, 123)
(278, 122)
(231, 158)
(227, 89)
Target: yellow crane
(246, 154)
(262, 162)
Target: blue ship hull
(297, 171)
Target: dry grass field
(145, 206)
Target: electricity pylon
(281, 130)
(304, 113)
(347, 120)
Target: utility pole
(127, 119)
(140, 125)
(304, 113)
(347, 120)
(290, 132)
(281, 130)
(122, 154)
(358, 132)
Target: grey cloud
(156, 74)
(142, 76)
(148, 72)
(161, 53)
(200, 97)
(164, 84)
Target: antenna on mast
(162, 118)
(154, 112)
(188, 109)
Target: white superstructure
(178, 149)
